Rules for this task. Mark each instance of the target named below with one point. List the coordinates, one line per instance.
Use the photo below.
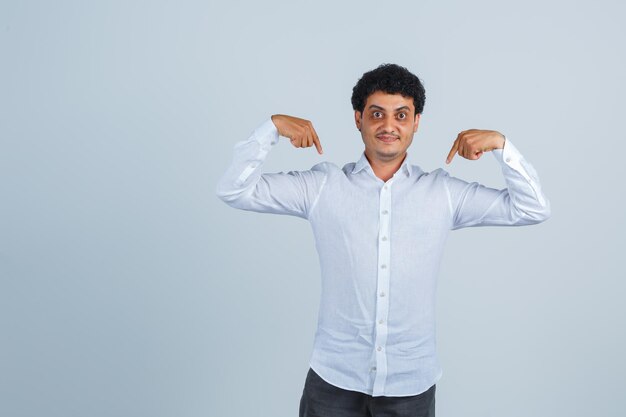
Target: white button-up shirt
(379, 245)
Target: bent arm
(245, 187)
(521, 203)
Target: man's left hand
(471, 144)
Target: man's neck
(385, 169)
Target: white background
(128, 289)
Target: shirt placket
(382, 294)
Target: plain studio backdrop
(127, 288)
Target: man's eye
(402, 116)
(376, 114)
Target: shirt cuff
(267, 134)
(511, 156)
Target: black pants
(321, 399)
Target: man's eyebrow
(374, 106)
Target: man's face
(387, 126)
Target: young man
(380, 225)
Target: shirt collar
(363, 163)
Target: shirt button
(384, 238)
(383, 266)
(385, 212)
(380, 321)
(508, 159)
(382, 293)
(373, 368)
(385, 187)
(379, 348)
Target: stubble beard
(387, 156)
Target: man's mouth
(387, 138)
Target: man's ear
(417, 122)
(357, 119)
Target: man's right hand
(299, 131)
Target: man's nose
(389, 124)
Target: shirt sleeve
(245, 187)
(521, 203)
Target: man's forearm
(245, 168)
(523, 183)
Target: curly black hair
(392, 79)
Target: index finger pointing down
(452, 152)
(316, 140)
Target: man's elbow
(539, 214)
(233, 197)
(225, 193)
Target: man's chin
(387, 155)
